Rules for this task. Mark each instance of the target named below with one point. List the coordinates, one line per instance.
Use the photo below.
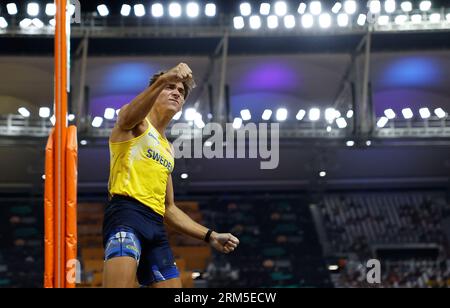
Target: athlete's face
(171, 99)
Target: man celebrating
(141, 190)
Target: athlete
(141, 197)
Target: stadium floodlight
(125, 10)
(390, 114)
(3, 23)
(190, 114)
(424, 113)
(50, 9)
(266, 114)
(362, 19)
(382, 122)
(37, 23)
(375, 7)
(307, 21)
(315, 7)
(192, 10)
(238, 22)
(198, 121)
(325, 20)
(401, 19)
(435, 18)
(336, 7)
(97, 122)
(448, 17)
(174, 10)
(406, 6)
(280, 8)
(343, 20)
(425, 6)
(272, 22)
(177, 116)
(25, 23)
(103, 10)
(330, 114)
(24, 112)
(383, 20)
(440, 113)
(44, 112)
(264, 9)
(323, 174)
(416, 19)
(33, 9)
(109, 113)
(302, 8)
(246, 115)
(157, 10)
(255, 22)
(71, 117)
(350, 114)
(341, 122)
(350, 143)
(314, 114)
(245, 8)
(71, 9)
(350, 7)
(52, 22)
(390, 6)
(139, 10)
(407, 113)
(289, 21)
(300, 114)
(282, 114)
(12, 8)
(210, 10)
(237, 123)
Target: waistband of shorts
(118, 198)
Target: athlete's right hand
(180, 73)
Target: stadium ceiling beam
(202, 32)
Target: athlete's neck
(159, 122)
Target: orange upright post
(49, 217)
(71, 204)
(60, 139)
(60, 203)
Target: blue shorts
(134, 230)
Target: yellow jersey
(140, 168)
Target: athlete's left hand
(224, 242)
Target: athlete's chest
(156, 150)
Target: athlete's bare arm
(131, 119)
(178, 220)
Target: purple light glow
(270, 76)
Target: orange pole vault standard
(60, 139)
(49, 214)
(60, 205)
(71, 206)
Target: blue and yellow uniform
(134, 217)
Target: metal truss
(113, 27)
(18, 126)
